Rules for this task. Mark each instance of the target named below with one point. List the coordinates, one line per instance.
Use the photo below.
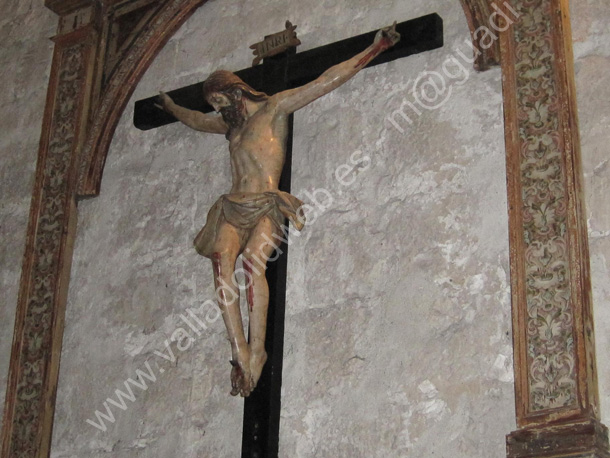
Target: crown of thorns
(224, 81)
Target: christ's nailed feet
(257, 362)
(241, 379)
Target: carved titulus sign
(276, 43)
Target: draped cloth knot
(244, 210)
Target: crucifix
(249, 220)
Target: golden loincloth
(244, 211)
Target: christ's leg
(258, 250)
(226, 250)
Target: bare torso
(258, 150)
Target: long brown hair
(224, 81)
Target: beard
(233, 115)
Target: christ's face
(218, 100)
(231, 107)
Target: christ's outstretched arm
(192, 118)
(293, 99)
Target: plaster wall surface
(25, 62)
(398, 336)
(591, 35)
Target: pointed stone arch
(478, 14)
(158, 22)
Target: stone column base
(582, 439)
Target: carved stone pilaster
(74, 89)
(32, 381)
(555, 375)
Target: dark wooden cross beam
(285, 71)
(417, 35)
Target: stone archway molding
(157, 29)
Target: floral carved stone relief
(550, 350)
(55, 196)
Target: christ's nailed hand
(388, 36)
(163, 101)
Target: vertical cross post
(261, 426)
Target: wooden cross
(278, 73)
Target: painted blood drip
(216, 264)
(369, 55)
(379, 47)
(250, 280)
(217, 272)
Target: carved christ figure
(243, 221)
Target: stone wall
(591, 35)
(398, 338)
(25, 63)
